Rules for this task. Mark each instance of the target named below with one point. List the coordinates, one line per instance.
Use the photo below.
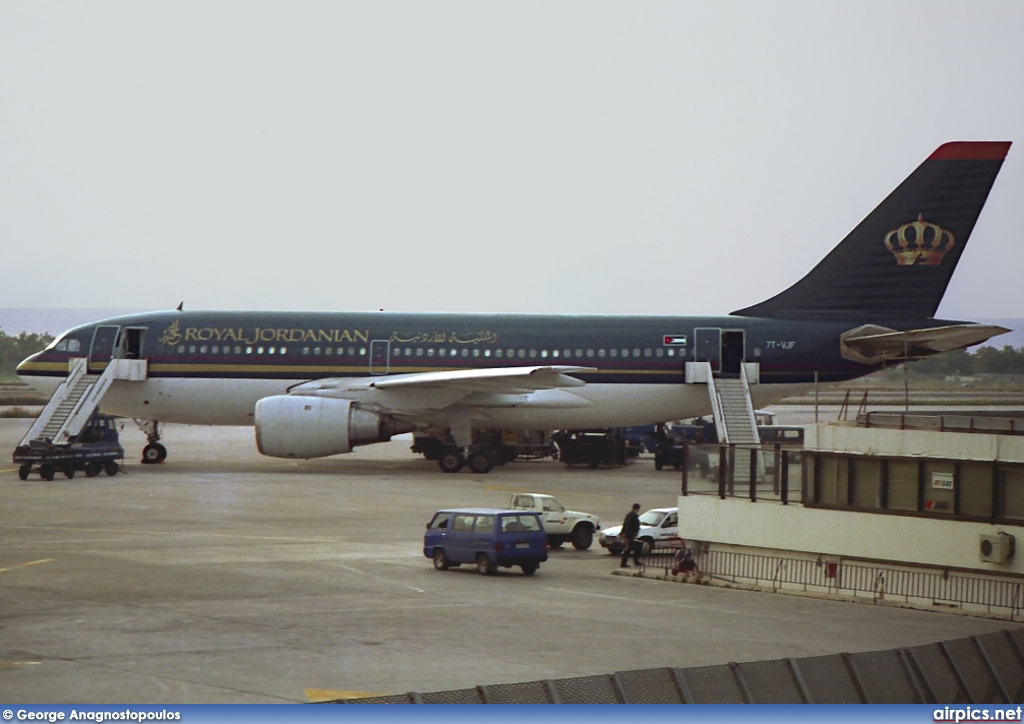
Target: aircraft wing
(871, 343)
(436, 390)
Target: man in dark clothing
(630, 529)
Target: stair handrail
(716, 406)
(87, 404)
(78, 369)
(752, 419)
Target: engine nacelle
(315, 427)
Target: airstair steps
(72, 403)
(734, 418)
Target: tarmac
(222, 576)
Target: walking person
(630, 529)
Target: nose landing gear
(154, 452)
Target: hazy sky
(636, 157)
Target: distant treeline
(984, 360)
(14, 349)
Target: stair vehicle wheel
(483, 565)
(153, 453)
(530, 568)
(440, 559)
(451, 461)
(481, 461)
(69, 471)
(555, 541)
(46, 472)
(582, 537)
(24, 471)
(111, 468)
(92, 470)
(646, 546)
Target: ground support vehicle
(490, 447)
(96, 448)
(486, 537)
(657, 525)
(560, 525)
(595, 447)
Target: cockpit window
(67, 344)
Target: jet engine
(315, 427)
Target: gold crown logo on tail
(919, 242)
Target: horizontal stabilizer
(872, 344)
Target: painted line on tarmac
(316, 695)
(26, 565)
(185, 533)
(20, 663)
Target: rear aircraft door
(380, 356)
(102, 349)
(707, 346)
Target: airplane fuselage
(212, 367)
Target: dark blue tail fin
(899, 260)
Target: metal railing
(774, 472)
(999, 596)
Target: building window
(866, 481)
(1011, 492)
(902, 477)
(975, 489)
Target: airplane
(316, 384)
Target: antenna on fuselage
(180, 305)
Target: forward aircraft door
(101, 351)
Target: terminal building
(922, 510)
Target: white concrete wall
(769, 524)
(880, 441)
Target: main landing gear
(154, 452)
(481, 460)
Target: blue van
(487, 537)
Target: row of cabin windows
(532, 353)
(943, 487)
(636, 352)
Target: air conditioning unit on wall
(996, 548)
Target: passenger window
(670, 522)
(463, 522)
(440, 521)
(485, 524)
(511, 524)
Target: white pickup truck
(560, 524)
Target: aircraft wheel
(451, 462)
(481, 462)
(46, 472)
(24, 471)
(111, 468)
(92, 470)
(153, 453)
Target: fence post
(784, 477)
